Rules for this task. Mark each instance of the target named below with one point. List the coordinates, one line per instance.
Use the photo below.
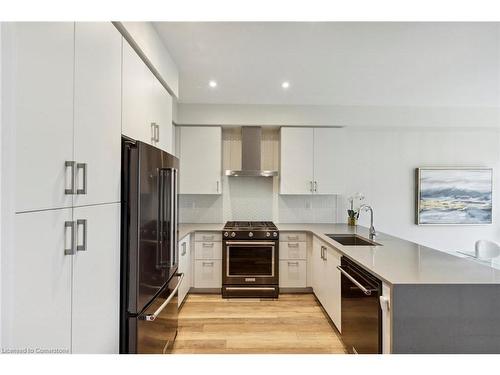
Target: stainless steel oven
(250, 264)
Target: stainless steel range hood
(251, 155)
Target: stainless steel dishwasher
(361, 312)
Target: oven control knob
(268, 234)
(250, 234)
(226, 234)
(275, 234)
(233, 234)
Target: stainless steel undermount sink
(352, 240)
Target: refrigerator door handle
(160, 221)
(153, 316)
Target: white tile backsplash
(307, 209)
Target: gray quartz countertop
(396, 261)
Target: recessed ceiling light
(212, 84)
(285, 84)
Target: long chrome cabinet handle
(311, 186)
(157, 128)
(83, 223)
(315, 186)
(249, 288)
(83, 167)
(71, 249)
(153, 316)
(218, 187)
(356, 282)
(153, 132)
(70, 164)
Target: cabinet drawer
(293, 273)
(293, 236)
(208, 250)
(207, 236)
(293, 250)
(208, 274)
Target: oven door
(250, 262)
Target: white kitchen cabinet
(296, 169)
(326, 160)
(163, 117)
(40, 70)
(208, 250)
(98, 54)
(37, 293)
(200, 160)
(326, 279)
(96, 279)
(208, 273)
(293, 250)
(138, 97)
(185, 267)
(308, 161)
(293, 273)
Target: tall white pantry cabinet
(60, 277)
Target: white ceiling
(333, 63)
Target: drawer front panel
(207, 236)
(293, 250)
(293, 273)
(293, 236)
(208, 274)
(208, 250)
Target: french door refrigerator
(149, 261)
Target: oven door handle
(250, 243)
(366, 291)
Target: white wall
(380, 163)
(324, 115)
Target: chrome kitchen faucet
(365, 207)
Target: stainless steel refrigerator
(149, 254)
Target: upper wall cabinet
(98, 54)
(308, 161)
(147, 106)
(200, 159)
(40, 84)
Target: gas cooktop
(250, 225)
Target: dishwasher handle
(366, 291)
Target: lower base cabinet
(293, 273)
(57, 300)
(208, 273)
(185, 268)
(326, 279)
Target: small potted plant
(352, 212)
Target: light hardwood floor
(294, 323)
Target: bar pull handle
(157, 127)
(208, 244)
(293, 263)
(356, 282)
(70, 164)
(83, 167)
(315, 186)
(311, 186)
(293, 244)
(153, 316)
(207, 263)
(153, 132)
(324, 252)
(208, 238)
(184, 248)
(293, 238)
(218, 187)
(69, 225)
(83, 223)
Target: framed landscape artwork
(454, 196)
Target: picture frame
(453, 196)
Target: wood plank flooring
(294, 323)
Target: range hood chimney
(251, 155)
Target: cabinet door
(96, 280)
(326, 160)
(333, 297)
(138, 99)
(200, 161)
(163, 117)
(38, 282)
(40, 71)
(296, 171)
(185, 268)
(98, 111)
(318, 270)
(208, 273)
(292, 273)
